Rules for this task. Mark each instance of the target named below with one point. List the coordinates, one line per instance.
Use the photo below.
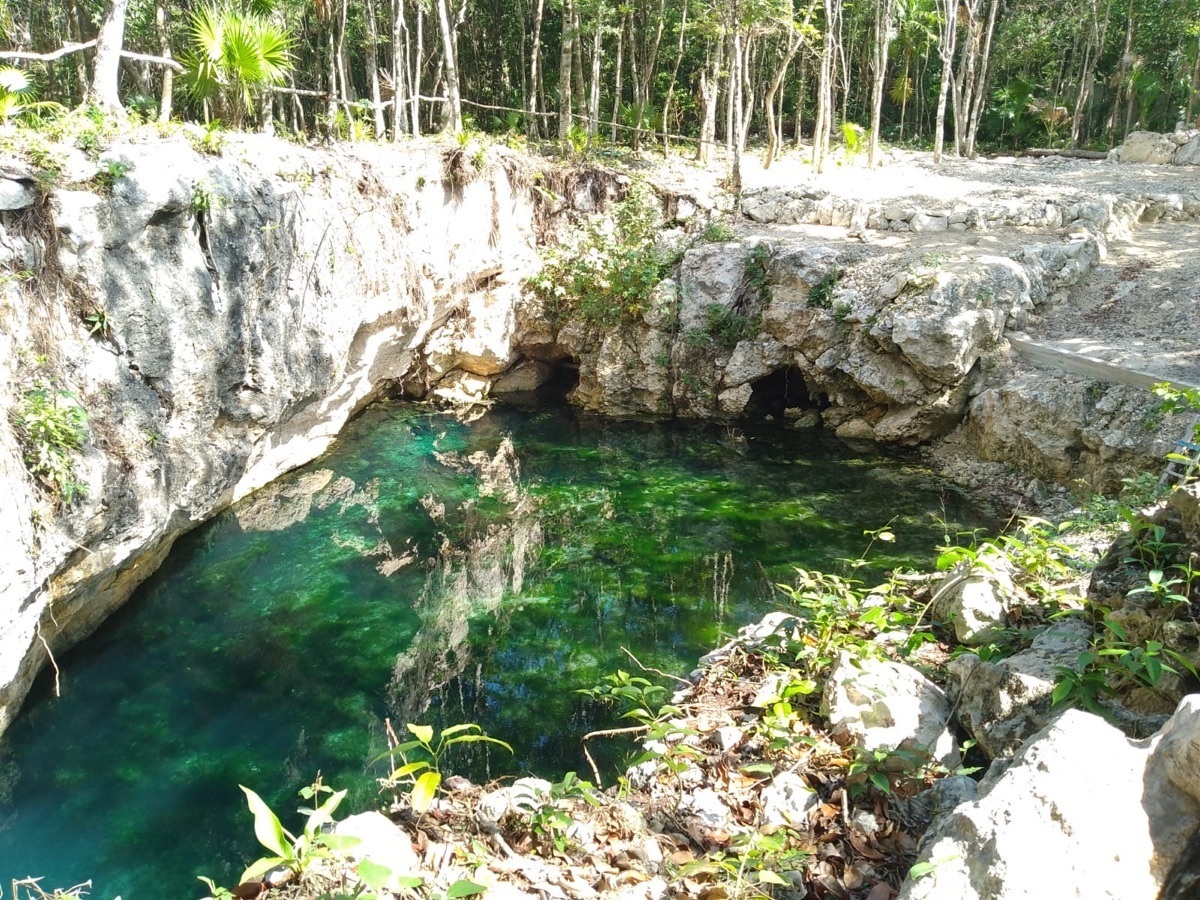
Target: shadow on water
(423, 571)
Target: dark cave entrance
(783, 389)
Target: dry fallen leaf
(881, 891)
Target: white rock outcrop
(882, 705)
(1081, 811)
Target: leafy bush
(607, 273)
(53, 429)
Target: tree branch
(69, 48)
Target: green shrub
(53, 429)
(607, 273)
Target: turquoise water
(424, 571)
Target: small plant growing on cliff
(98, 322)
(53, 429)
(717, 232)
(425, 775)
(110, 173)
(821, 293)
(757, 269)
(608, 272)
(204, 197)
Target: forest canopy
(970, 74)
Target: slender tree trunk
(981, 86)
(343, 70)
(774, 138)
(164, 50)
(532, 128)
(399, 73)
(578, 87)
(597, 58)
(81, 68)
(710, 92)
(736, 101)
(418, 67)
(671, 88)
(620, 70)
(824, 122)
(1193, 87)
(946, 48)
(106, 78)
(373, 72)
(905, 88)
(565, 71)
(450, 67)
(883, 27)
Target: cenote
(424, 571)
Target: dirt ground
(1139, 308)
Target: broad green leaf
(374, 875)
(758, 768)
(1062, 690)
(266, 825)
(767, 877)
(881, 781)
(260, 867)
(920, 870)
(424, 790)
(464, 888)
(423, 733)
(410, 769)
(455, 729)
(410, 882)
(339, 843)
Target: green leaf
(920, 870)
(1062, 691)
(455, 729)
(881, 781)
(758, 768)
(410, 769)
(260, 867)
(424, 790)
(339, 843)
(266, 825)
(374, 875)
(410, 882)
(423, 733)
(766, 876)
(464, 888)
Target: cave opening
(782, 390)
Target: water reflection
(426, 570)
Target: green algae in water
(423, 571)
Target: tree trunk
(81, 69)
(453, 103)
(164, 50)
(107, 74)
(373, 72)
(883, 27)
(710, 91)
(946, 47)
(620, 68)
(565, 71)
(985, 71)
(671, 88)
(597, 59)
(418, 65)
(535, 71)
(399, 70)
(578, 98)
(774, 138)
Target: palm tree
(237, 54)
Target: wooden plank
(1089, 366)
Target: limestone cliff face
(252, 302)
